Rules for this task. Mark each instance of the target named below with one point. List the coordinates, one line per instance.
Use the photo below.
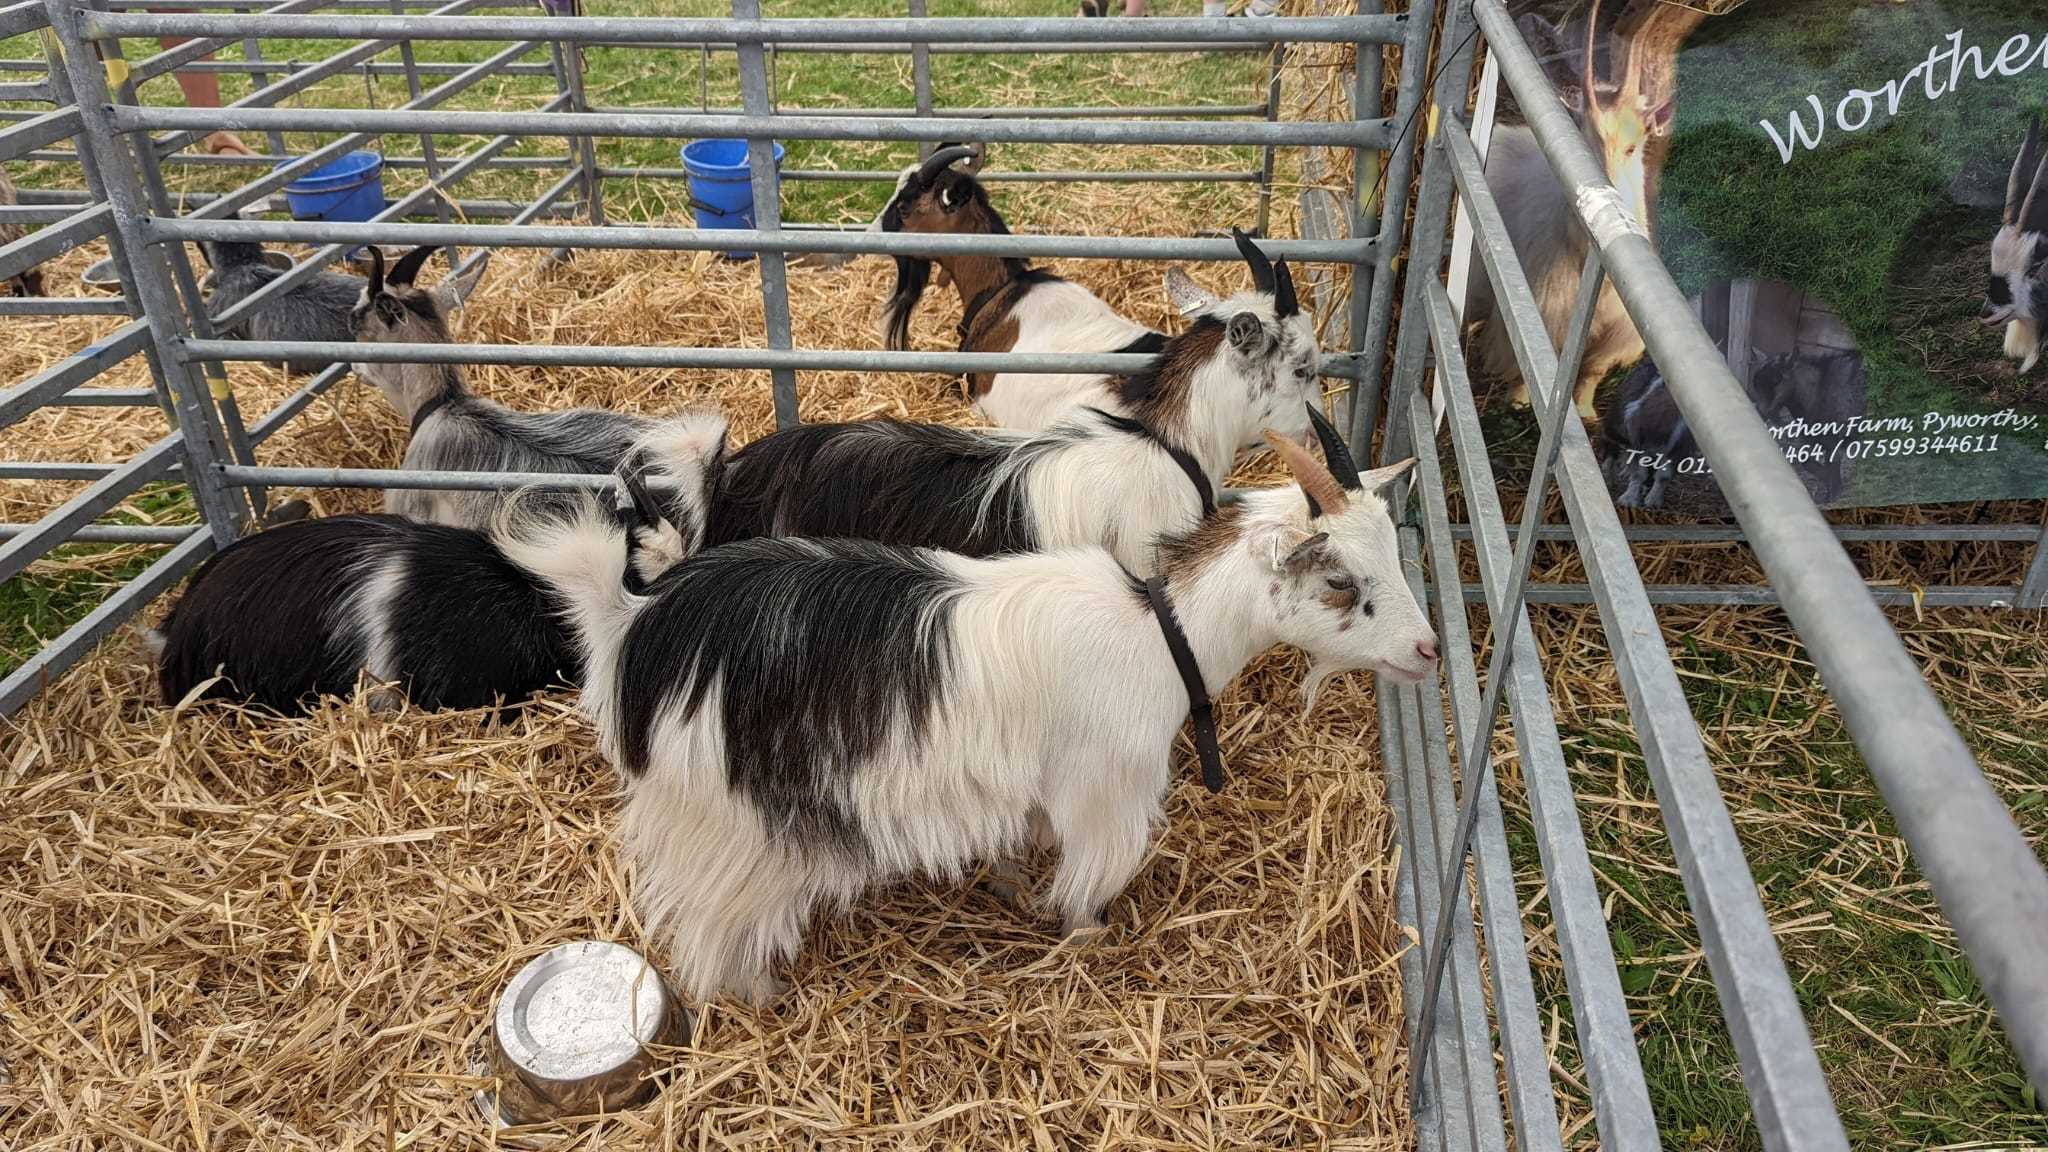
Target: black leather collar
(1181, 456)
(1199, 706)
(981, 300)
(419, 417)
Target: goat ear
(1187, 296)
(1381, 477)
(1658, 121)
(1246, 334)
(2024, 168)
(407, 270)
(453, 293)
(1311, 553)
(1281, 546)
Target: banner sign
(1852, 196)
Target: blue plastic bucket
(351, 188)
(721, 187)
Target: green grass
(71, 581)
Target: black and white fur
(1092, 478)
(2017, 295)
(800, 720)
(315, 310)
(426, 612)
(455, 430)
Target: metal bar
(1852, 533)
(751, 240)
(876, 176)
(1070, 112)
(225, 512)
(920, 77)
(410, 60)
(116, 533)
(1372, 310)
(1370, 134)
(755, 91)
(1406, 913)
(1193, 32)
(266, 66)
(61, 306)
(1990, 882)
(2034, 589)
(403, 478)
(176, 57)
(1478, 757)
(86, 506)
(72, 371)
(252, 53)
(292, 405)
(23, 18)
(60, 654)
(38, 93)
(106, 398)
(1764, 595)
(658, 356)
(1272, 112)
(38, 131)
(1789, 1093)
(48, 243)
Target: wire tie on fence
(117, 72)
(217, 386)
(1433, 110)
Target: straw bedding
(224, 929)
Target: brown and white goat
(1006, 304)
(1628, 122)
(2017, 295)
(29, 281)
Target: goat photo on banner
(1851, 195)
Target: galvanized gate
(1471, 997)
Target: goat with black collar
(800, 720)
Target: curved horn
(376, 271)
(1262, 268)
(1284, 302)
(408, 267)
(1325, 495)
(1334, 449)
(942, 159)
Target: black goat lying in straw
(456, 431)
(1006, 304)
(1097, 478)
(315, 310)
(438, 613)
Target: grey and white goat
(798, 721)
(2017, 295)
(315, 310)
(1117, 480)
(453, 429)
(428, 613)
(28, 281)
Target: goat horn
(943, 159)
(1334, 449)
(2022, 169)
(408, 267)
(2034, 212)
(376, 271)
(1262, 268)
(1284, 302)
(1325, 495)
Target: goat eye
(1341, 583)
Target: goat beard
(1312, 686)
(2023, 342)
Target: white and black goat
(433, 614)
(1006, 304)
(455, 430)
(318, 309)
(2017, 295)
(1117, 479)
(800, 720)
(28, 281)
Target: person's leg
(202, 90)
